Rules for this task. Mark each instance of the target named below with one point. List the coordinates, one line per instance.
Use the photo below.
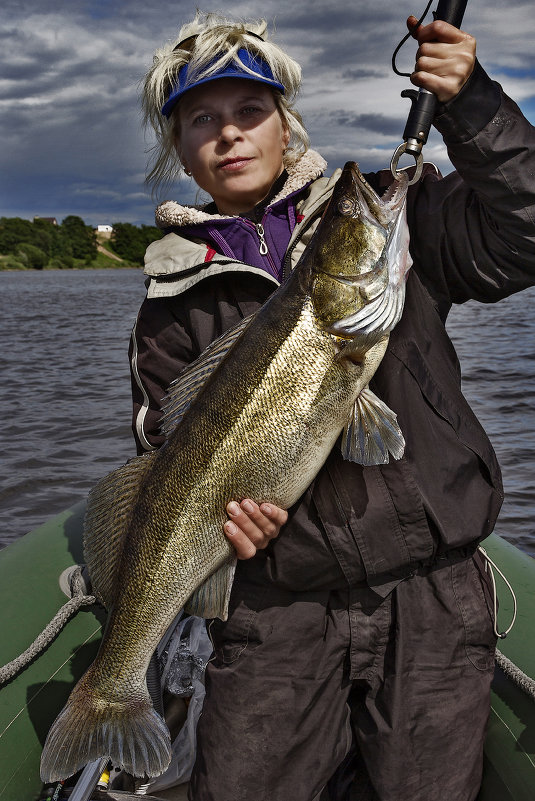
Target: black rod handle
(451, 11)
(423, 107)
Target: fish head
(359, 250)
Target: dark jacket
(472, 236)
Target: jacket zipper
(263, 248)
(262, 244)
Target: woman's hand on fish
(252, 526)
(444, 60)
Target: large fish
(255, 416)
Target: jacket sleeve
(473, 232)
(160, 348)
(170, 333)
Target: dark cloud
(360, 73)
(70, 127)
(378, 123)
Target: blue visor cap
(260, 72)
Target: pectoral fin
(211, 599)
(372, 433)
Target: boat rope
(78, 587)
(51, 631)
(512, 671)
(490, 564)
(517, 676)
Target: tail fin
(128, 731)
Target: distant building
(46, 219)
(104, 229)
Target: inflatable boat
(30, 596)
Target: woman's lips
(234, 164)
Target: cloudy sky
(72, 141)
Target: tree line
(42, 244)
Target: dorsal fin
(109, 509)
(184, 389)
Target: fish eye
(347, 206)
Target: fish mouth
(353, 187)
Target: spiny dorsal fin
(372, 433)
(184, 389)
(109, 508)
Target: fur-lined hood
(176, 262)
(172, 214)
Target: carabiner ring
(418, 159)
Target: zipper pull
(263, 244)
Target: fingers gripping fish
(255, 416)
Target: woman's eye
(250, 109)
(202, 119)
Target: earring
(188, 173)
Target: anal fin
(211, 599)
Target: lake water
(65, 392)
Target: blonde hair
(213, 35)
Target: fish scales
(259, 424)
(211, 471)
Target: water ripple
(66, 391)
(495, 346)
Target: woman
(358, 654)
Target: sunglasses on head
(187, 44)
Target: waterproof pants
(393, 691)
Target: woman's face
(232, 140)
